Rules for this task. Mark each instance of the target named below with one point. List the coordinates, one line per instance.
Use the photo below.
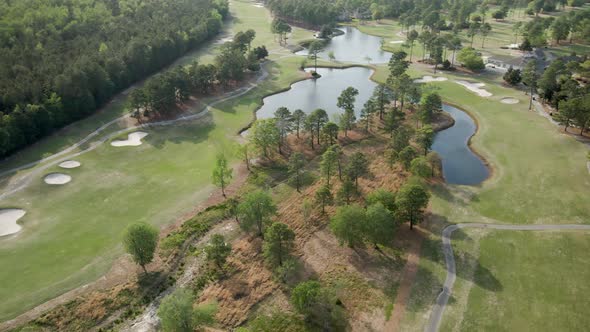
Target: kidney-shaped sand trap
(57, 178)
(133, 139)
(509, 100)
(428, 79)
(475, 87)
(8, 219)
(69, 164)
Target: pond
(354, 46)
(311, 94)
(460, 164)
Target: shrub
(512, 76)
(470, 59)
(525, 45)
(420, 167)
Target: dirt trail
(408, 276)
(443, 297)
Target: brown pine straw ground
(365, 279)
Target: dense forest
(62, 59)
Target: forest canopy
(62, 59)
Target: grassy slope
(539, 177)
(508, 288)
(72, 233)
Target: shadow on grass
(193, 133)
(467, 265)
(428, 285)
(424, 290)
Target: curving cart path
(442, 299)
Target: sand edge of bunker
(509, 100)
(69, 164)
(8, 221)
(475, 87)
(428, 79)
(57, 178)
(133, 139)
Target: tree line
(538, 32)
(61, 60)
(162, 92)
(442, 15)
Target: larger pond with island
(460, 164)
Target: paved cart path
(443, 297)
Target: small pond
(460, 164)
(354, 46)
(311, 94)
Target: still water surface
(354, 46)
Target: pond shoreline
(443, 148)
(491, 169)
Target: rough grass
(533, 281)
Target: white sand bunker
(428, 79)
(475, 87)
(259, 5)
(57, 178)
(8, 219)
(133, 139)
(69, 164)
(396, 42)
(509, 100)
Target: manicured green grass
(525, 281)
